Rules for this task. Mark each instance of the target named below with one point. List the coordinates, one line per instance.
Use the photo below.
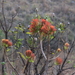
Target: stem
(3, 60)
(4, 53)
(6, 35)
(3, 14)
(42, 50)
(4, 19)
(25, 67)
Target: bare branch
(3, 14)
(68, 68)
(2, 25)
(73, 73)
(12, 20)
(12, 66)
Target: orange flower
(41, 25)
(59, 50)
(59, 60)
(7, 41)
(34, 21)
(45, 29)
(48, 29)
(67, 45)
(33, 56)
(52, 28)
(43, 21)
(33, 26)
(28, 53)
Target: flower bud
(58, 49)
(59, 60)
(5, 41)
(28, 53)
(67, 44)
(33, 56)
(9, 43)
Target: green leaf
(28, 57)
(22, 55)
(52, 37)
(3, 63)
(8, 50)
(65, 47)
(55, 63)
(5, 73)
(16, 27)
(69, 61)
(31, 60)
(4, 44)
(52, 53)
(15, 32)
(28, 33)
(13, 73)
(74, 65)
(30, 41)
(20, 39)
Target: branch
(35, 65)
(68, 68)
(12, 66)
(73, 73)
(43, 68)
(61, 69)
(3, 14)
(22, 60)
(2, 25)
(12, 20)
(67, 54)
(42, 50)
(25, 67)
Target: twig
(4, 14)
(68, 68)
(43, 68)
(12, 65)
(73, 73)
(12, 20)
(22, 60)
(2, 25)
(25, 67)
(36, 71)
